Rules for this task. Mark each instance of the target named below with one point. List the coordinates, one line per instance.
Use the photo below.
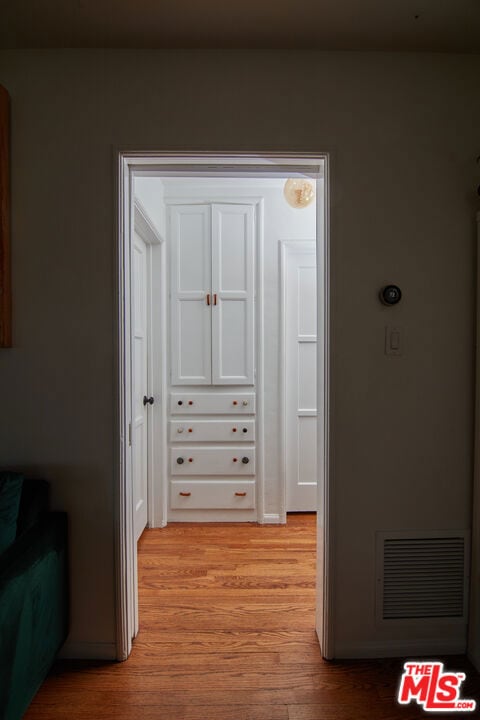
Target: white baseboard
(88, 651)
(410, 649)
(272, 519)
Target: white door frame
(285, 247)
(216, 165)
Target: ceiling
(416, 25)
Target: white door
(140, 263)
(190, 295)
(233, 293)
(300, 376)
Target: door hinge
(130, 434)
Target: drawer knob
(245, 403)
(235, 459)
(234, 429)
(190, 459)
(244, 429)
(180, 461)
(240, 494)
(190, 429)
(235, 402)
(185, 494)
(245, 460)
(190, 402)
(180, 402)
(179, 430)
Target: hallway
(227, 633)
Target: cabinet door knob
(235, 402)
(245, 460)
(180, 402)
(190, 459)
(179, 430)
(240, 494)
(234, 429)
(245, 430)
(148, 400)
(190, 402)
(235, 459)
(180, 461)
(185, 494)
(245, 403)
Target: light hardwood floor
(227, 633)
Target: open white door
(140, 259)
(300, 376)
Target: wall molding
(273, 519)
(144, 225)
(402, 648)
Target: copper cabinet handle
(190, 402)
(208, 298)
(190, 429)
(190, 459)
(240, 494)
(185, 494)
(235, 459)
(235, 402)
(214, 298)
(234, 429)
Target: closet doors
(212, 294)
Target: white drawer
(212, 403)
(212, 460)
(212, 430)
(212, 494)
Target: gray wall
(403, 133)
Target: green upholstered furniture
(33, 594)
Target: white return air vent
(421, 576)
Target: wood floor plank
(227, 616)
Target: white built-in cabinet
(212, 438)
(212, 294)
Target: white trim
(260, 358)
(124, 577)
(273, 519)
(88, 651)
(326, 532)
(207, 164)
(402, 648)
(144, 224)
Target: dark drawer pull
(245, 460)
(245, 430)
(180, 461)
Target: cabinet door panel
(233, 288)
(190, 231)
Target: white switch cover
(393, 341)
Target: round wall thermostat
(390, 295)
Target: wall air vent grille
(423, 577)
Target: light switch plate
(393, 341)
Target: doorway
(216, 170)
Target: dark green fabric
(33, 611)
(10, 491)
